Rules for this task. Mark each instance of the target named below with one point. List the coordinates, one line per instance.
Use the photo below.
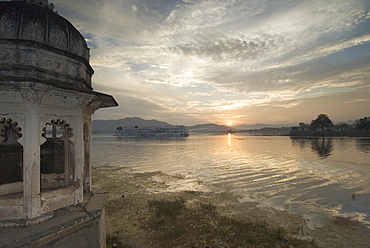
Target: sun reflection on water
(284, 173)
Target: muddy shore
(128, 214)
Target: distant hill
(267, 131)
(209, 128)
(111, 125)
(255, 129)
(254, 126)
(349, 122)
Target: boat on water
(167, 131)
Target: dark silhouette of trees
(363, 123)
(342, 126)
(322, 121)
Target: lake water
(311, 177)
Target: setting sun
(229, 123)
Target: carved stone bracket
(89, 103)
(93, 106)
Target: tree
(363, 123)
(342, 126)
(322, 121)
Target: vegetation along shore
(142, 211)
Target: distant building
(302, 128)
(46, 104)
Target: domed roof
(35, 21)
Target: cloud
(203, 58)
(231, 49)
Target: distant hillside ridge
(263, 125)
(255, 126)
(210, 127)
(111, 125)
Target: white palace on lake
(167, 131)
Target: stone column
(90, 106)
(87, 151)
(88, 154)
(31, 162)
(79, 158)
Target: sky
(228, 62)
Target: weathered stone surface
(11, 188)
(58, 198)
(70, 227)
(27, 21)
(11, 212)
(45, 87)
(20, 62)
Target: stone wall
(89, 234)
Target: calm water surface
(311, 177)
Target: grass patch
(173, 224)
(114, 241)
(167, 210)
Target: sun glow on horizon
(229, 66)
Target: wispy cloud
(223, 56)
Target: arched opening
(11, 158)
(57, 156)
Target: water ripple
(274, 171)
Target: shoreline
(127, 210)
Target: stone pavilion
(46, 104)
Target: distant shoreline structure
(166, 131)
(349, 128)
(331, 133)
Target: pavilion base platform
(81, 226)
